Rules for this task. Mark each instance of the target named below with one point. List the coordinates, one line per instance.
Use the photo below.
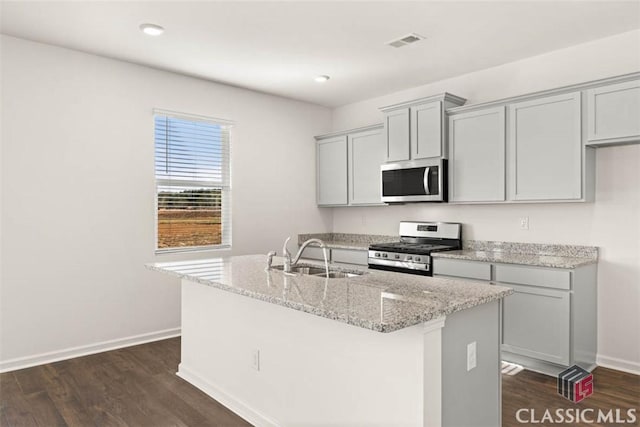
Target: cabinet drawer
(349, 256)
(314, 253)
(557, 279)
(468, 269)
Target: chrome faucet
(289, 263)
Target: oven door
(414, 181)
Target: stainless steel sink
(303, 269)
(339, 274)
(320, 271)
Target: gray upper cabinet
(366, 154)
(348, 167)
(331, 167)
(426, 130)
(417, 129)
(614, 113)
(545, 148)
(396, 129)
(477, 156)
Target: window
(193, 191)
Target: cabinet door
(545, 148)
(396, 127)
(536, 323)
(366, 154)
(614, 112)
(331, 159)
(477, 156)
(426, 130)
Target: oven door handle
(425, 181)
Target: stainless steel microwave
(415, 181)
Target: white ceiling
(279, 47)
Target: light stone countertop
(534, 254)
(377, 300)
(359, 242)
(511, 258)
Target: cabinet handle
(425, 181)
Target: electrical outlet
(471, 356)
(255, 360)
(524, 223)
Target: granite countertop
(377, 300)
(347, 241)
(534, 254)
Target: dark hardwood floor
(134, 386)
(612, 390)
(137, 386)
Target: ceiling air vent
(406, 40)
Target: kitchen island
(378, 348)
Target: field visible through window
(179, 228)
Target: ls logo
(575, 384)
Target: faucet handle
(270, 256)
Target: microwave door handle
(425, 181)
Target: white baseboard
(70, 353)
(618, 364)
(225, 399)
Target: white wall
(611, 223)
(78, 193)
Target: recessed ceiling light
(151, 29)
(322, 79)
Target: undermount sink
(339, 274)
(319, 271)
(302, 269)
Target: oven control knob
(417, 258)
(378, 254)
(397, 256)
(384, 255)
(409, 258)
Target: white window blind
(193, 182)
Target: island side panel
(472, 398)
(312, 370)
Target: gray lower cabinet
(477, 156)
(549, 322)
(536, 323)
(331, 167)
(338, 255)
(545, 148)
(348, 167)
(614, 113)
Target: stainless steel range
(412, 254)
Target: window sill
(196, 249)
